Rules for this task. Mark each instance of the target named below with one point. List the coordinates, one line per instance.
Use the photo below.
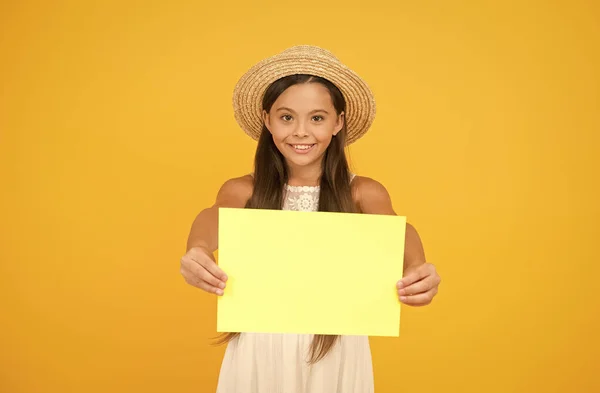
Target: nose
(300, 130)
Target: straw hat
(303, 59)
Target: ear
(267, 120)
(339, 124)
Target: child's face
(302, 122)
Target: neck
(304, 175)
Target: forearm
(204, 231)
(414, 255)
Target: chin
(300, 161)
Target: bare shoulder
(371, 196)
(235, 192)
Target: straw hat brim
(250, 89)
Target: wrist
(201, 245)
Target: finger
(211, 266)
(210, 289)
(421, 299)
(205, 276)
(201, 273)
(412, 277)
(418, 287)
(194, 280)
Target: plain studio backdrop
(116, 129)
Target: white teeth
(302, 147)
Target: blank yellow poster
(310, 272)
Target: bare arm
(421, 280)
(205, 228)
(198, 266)
(372, 198)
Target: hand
(419, 285)
(199, 269)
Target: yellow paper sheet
(310, 272)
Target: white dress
(278, 363)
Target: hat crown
(309, 50)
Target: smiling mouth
(302, 148)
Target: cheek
(279, 133)
(323, 135)
(324, 139)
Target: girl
(304, 107)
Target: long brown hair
(271, 176)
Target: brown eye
(317, 118)
(286, 118)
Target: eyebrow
(283, 108)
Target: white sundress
(278, 363)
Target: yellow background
(116, 128)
